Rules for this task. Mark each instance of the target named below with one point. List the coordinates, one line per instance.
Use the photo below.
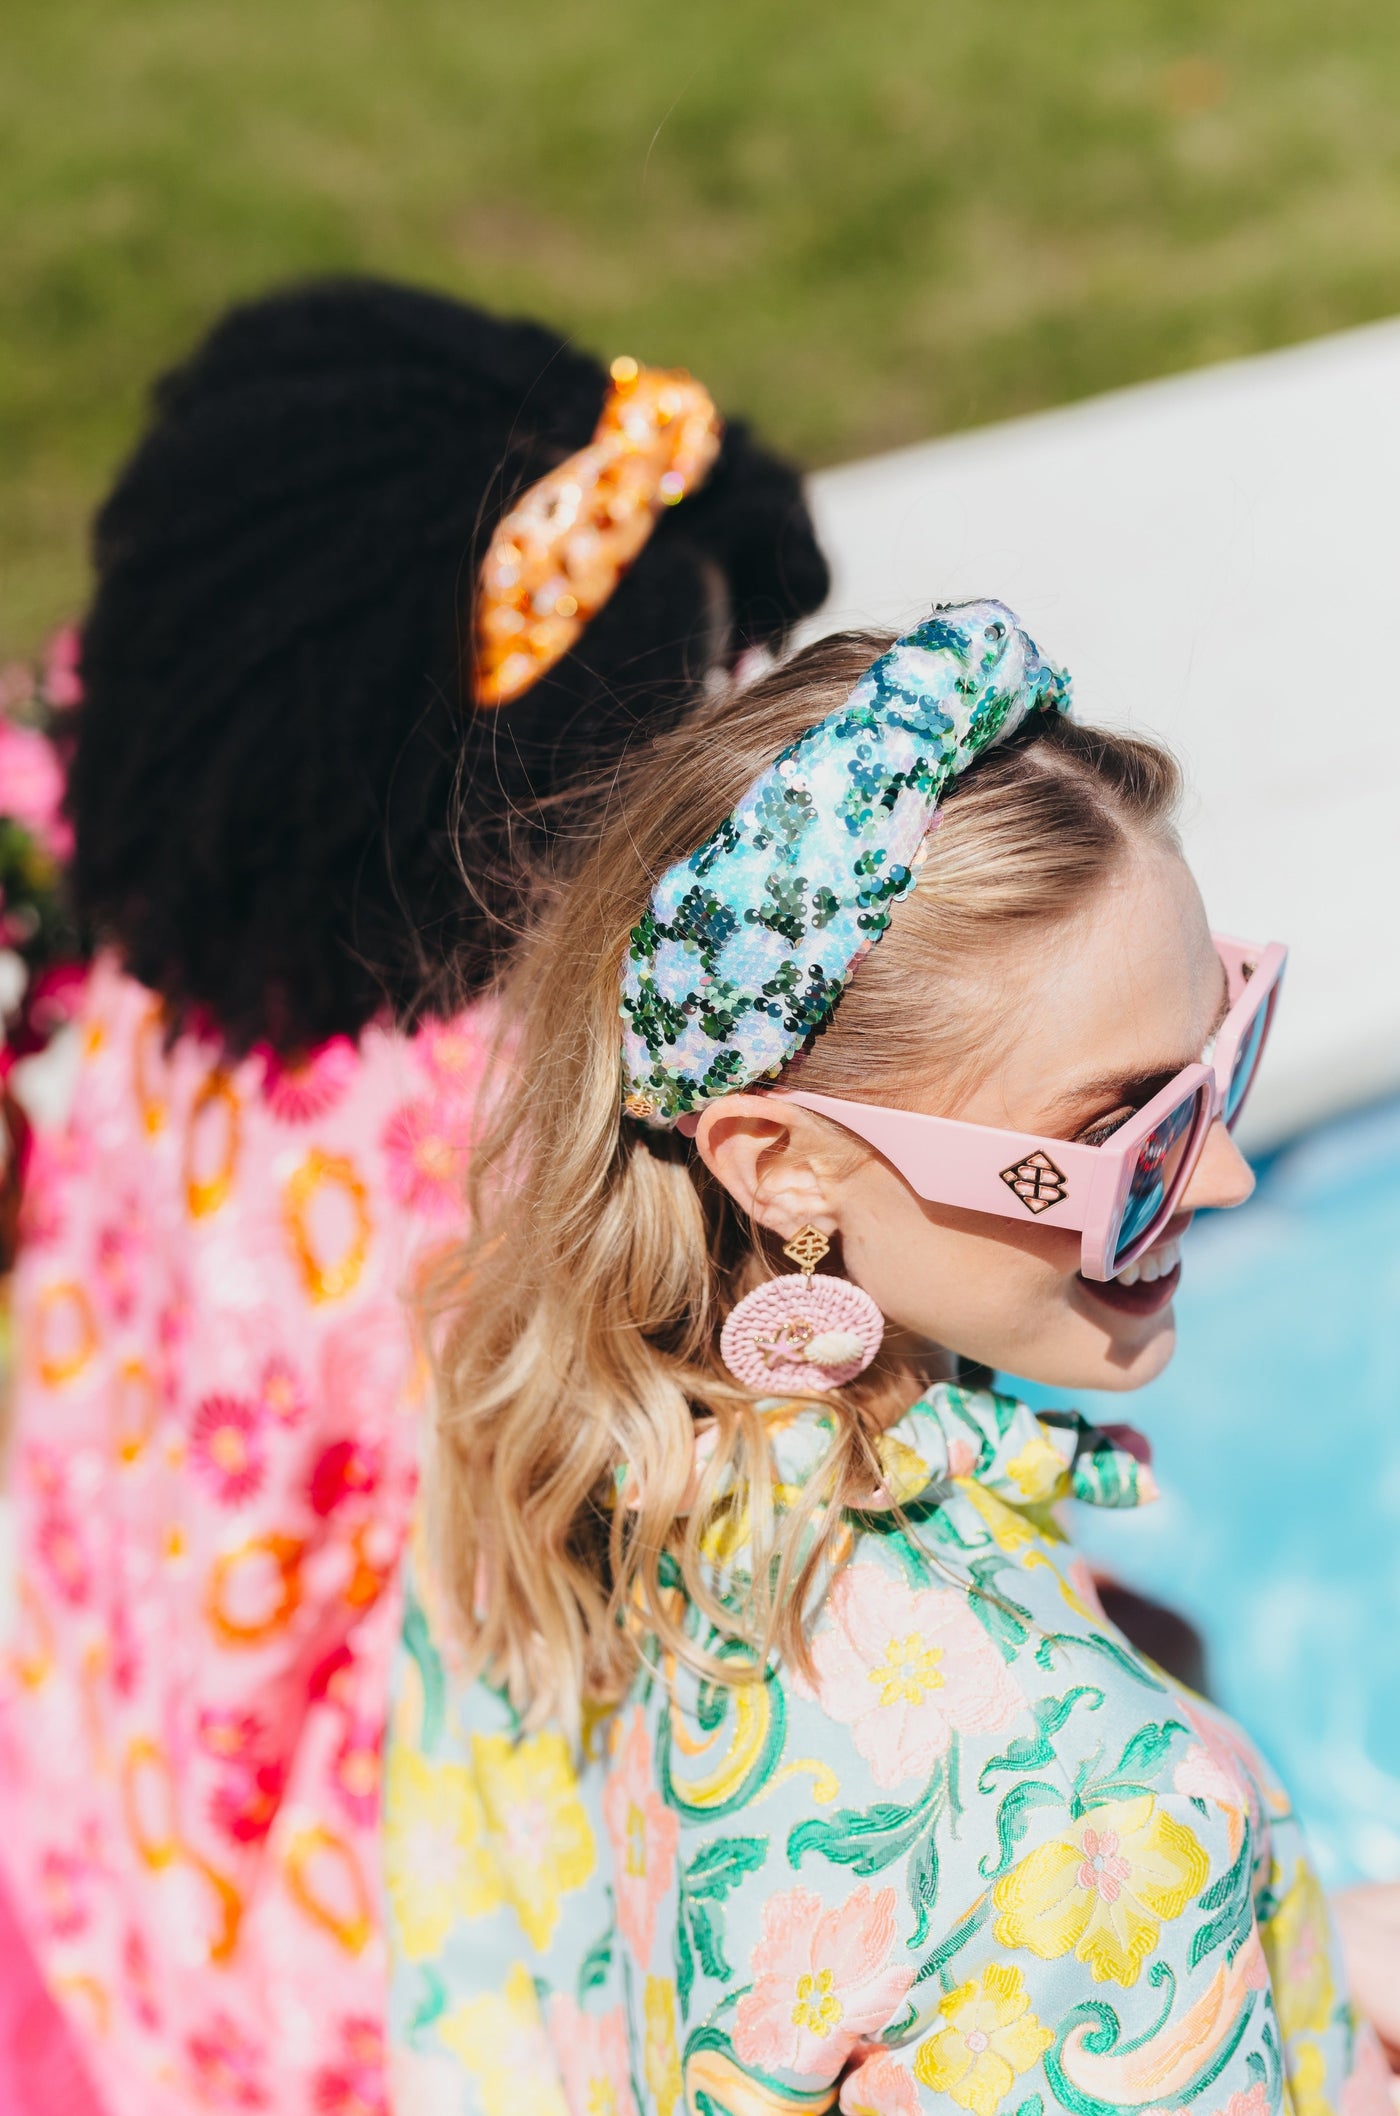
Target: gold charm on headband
(562, 549)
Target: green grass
(862, 222)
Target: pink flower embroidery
(1249, 2101)
(226, 2066)
(425, 1145)
(343, 1469)
(905, 1669)
(1103, 1868)
(226, 1446)
(879, 2086)
(298, 1089)
(822, 1981)
(591, 2052)
(281, 1394)
(1367, 2089)
(644, 1834)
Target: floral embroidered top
(212, 1469)
(988, 1857)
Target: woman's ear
(765, 1162)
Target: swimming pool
(1276, 1433)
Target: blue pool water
(1276, 1433)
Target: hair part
(576, 1333)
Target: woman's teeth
(1157, 1263)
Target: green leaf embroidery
(593, 1970)
(1014, 1819)
(1031, 1752)
(716, 1869)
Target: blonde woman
(759, 1745)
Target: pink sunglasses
(1120, 1194)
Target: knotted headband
(560, 552)
(746, 946)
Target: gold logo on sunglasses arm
(1037, 1182)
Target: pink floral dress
(212, 1471)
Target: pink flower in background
(1250, 2101)
(425, 1146)
(281, 1393)
(355, 2086)
(591, 2051)
(342, 1470)
(355, 1771)
(245, 1805)
(644, 1833)
(298, 1089)
(1367, 2089)
(63, 680)
(227, 2066)
(229, 1735)
(226, 1446)
(905, 1669)
(878, 2086)
(61, 1876)
(454, 1053)
(823, 1981)
(31, 786)
(60, 1548)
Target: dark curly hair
(288, 814)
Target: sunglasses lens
(1153, 1186)
(1247, 1060)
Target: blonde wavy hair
(575, 1334)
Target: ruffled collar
(952, 1434)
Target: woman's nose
(1222, 1176)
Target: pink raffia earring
(803, 1332)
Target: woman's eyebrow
(1115, 1090)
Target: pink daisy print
(425, 1145)
(281, 1393)
(355, 1771)
(341, 1471)
(644, 1833)
(245, 1806)
(226, 1447)
(591, 2052)
(229, 1736)
(453, 1053)
(300, 1088)
(227, 2067)
(878, 2086)
(906, 1668)
(822, 1981)
(356, 2085)
(60, 1549)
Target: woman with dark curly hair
(385, 586)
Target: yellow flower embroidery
(1038, 1471)
(991, 2036)
(905, 1471)
(536, 1822)
(1011, 1531)
(816, 2006)
(661, 2055)
(908, 1671)
(500, 2039)
(1297, 1945)
(1307, 2080)
(436, 1867)
(1104, 1888)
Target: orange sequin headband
(562, 549)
